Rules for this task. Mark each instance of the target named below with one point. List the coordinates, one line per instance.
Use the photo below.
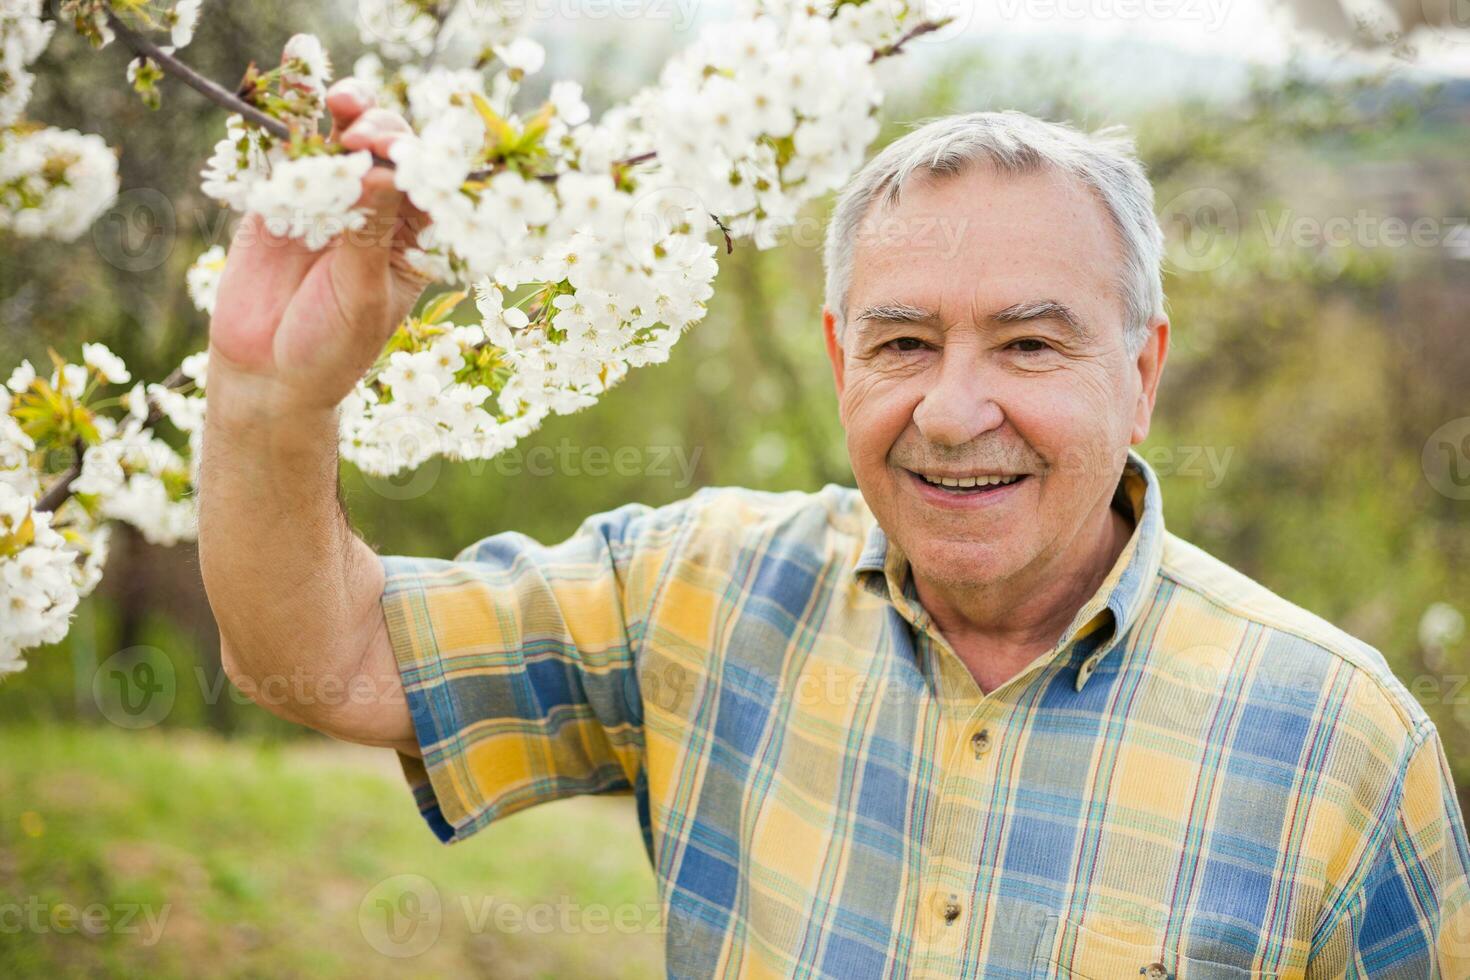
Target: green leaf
(20, 538)
(442, 306)
(495, 127)
(536, 128)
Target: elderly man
(980, 717)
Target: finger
(411, 223)
(360, 268)
(375, 130)
(262, 272)
(393, 221)
(347, 99)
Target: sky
(1134, 51)
(1248, 31)
(1260, 31)
(1139, 51)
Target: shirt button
(1084, 671)
(980, 741)
(1154, 971)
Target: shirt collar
(1112, 609)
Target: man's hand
(303, 327)
(297, 595)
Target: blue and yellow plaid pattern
(1200, 780)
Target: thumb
(361, 267)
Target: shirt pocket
(1095, 955)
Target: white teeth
(969, 481)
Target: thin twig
(209, 89)
(60, 491)
(724, 230)
(896, 47)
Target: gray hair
(1014, 143)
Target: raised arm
(295, 592)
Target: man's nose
(958, 406)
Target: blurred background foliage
(1293, 437)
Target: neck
(1026, 614)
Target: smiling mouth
(969, 486)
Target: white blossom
(305, 63)
(521, 54)
(182, 19)
(566, 98)
(204, 276)
(239, 160)
(196, 367)
(400, 29)
(21, 377)
(54, 182)
(23, 36)
(37, 593)
(311, 198)
(106, 363)
(69, 379)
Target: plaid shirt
(1199, 781)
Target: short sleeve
(518, 663)
(1410, 916)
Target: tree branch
(229, 100)
(924, 27)
(224, 98)
(61, 490)
(209, 89)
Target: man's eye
(1030, 345)
(905, 344)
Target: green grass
(259, 859)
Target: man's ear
(834, 347)
(1150, 366)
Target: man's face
(985, 341)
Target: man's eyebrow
(897, 313)
(1045, 309)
